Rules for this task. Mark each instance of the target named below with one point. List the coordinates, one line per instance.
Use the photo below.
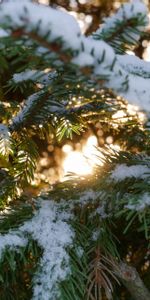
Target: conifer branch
(53, 78)
(123, 30)
(52, 46)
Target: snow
(3, 33)
(53, 23)
(98, 49)
(3, 130)
(79, 251)
(138, 71)
(12, 241)
(35, 75)
(50, 224)
(134, 65)
(105, 64)
(123, 171)
(49, 227)
(33, 100)
(126, 12)
(140, 204)
(88, 196)
(128, 79)
(26, 75)
(101, 210)
(5, 142)
(83, 59)
(138, 92)
(96, 235)
(24, 111)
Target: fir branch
(5, 141)
(123, 30)
(25, 161)
(8, 189)
(53, 46)
(15, 214)
(22, 264)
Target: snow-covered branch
(59, 32)
(124, 28)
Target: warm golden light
(76, 163)
(122, 116)
(81, 162)
(115, 147)
(44, 2)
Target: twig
(132, 281)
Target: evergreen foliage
(78, 240)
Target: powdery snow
(123, 171)
(91, 196)
(140, 204)
(88, 196)
(12, 241)
(49, 227)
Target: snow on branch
(5, 141)
(3, 33)
(122, 171)
(49, 227)
(139, 80)
(45, 21)
(11, 240)
(59, 32)
(32, 75)
(25, 111)
(125, 27)
(141, 204)
(134, 65)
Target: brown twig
(132, 281)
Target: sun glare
(76, 163)
(122, 116)
(44, 2)
(81, 162)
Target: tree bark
(132, 281)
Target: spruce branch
(77, 228)
(5, 141)
(82, 58)
(123, 30)
(52, 46)
(24, 163)
(93, 58)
